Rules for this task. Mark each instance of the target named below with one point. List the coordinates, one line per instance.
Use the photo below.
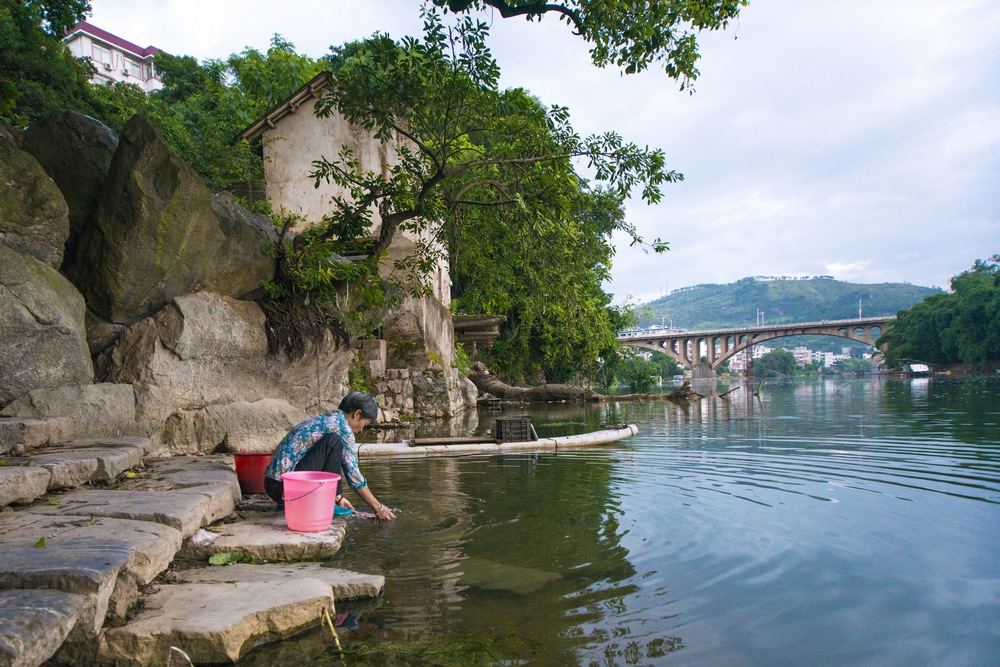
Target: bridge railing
(770, 327)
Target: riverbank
(106, 560)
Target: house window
(102, 56)
(133, 68)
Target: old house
(420, 334)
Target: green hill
(781, 300)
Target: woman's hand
(344, 502)
(383, 513)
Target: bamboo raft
(480, 445)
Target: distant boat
(916, 370)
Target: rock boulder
(42, 342)
(34, 219)
(75, 150)
(201, 366)
(157, 234)
(91, 410)
(235, 427)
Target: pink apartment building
(116, 59)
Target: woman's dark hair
(359, 400)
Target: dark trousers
(327, 455)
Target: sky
(858, 139)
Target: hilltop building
(117, 60)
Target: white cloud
(857, 135)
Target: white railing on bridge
(684, 333)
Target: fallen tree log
(490, 383)
(684, 393)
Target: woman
(326, 443)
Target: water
(830, 522)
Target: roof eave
(289, 105)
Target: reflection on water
(847, 522)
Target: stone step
(184, 493)
(219, 614)
(187, 472)
(264, 536)
(186, 511)
(152, 546)
(21, 434)
(34, 624)
(85, 566)
(69, 466)
(346, 585)
(214, 622)
(22, 484)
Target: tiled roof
(290, 104)
(114, 40)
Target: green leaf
(230, 558)
(54, 502)
(40, 544)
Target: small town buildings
(117, 60)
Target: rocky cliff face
(125, 308)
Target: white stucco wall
(290, 148)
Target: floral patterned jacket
(300, 440)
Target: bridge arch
(722, 344)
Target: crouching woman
(326, 443)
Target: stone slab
(34, 624)
(346, 585)
(153, 545)
(215, 622)
(22, 484)
(136, 442)
(265, 536)
(86, 566)
(20, 434)
(187, 511)
(109, 462)
(188, 472)
(67, 470)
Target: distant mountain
(781, 300)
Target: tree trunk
(489, 383)
(684, 393)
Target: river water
(825, 522)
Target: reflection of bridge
(688, 347)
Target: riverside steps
(99, 567)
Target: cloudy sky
(852, 138)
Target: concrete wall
(421, 331)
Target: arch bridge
(687, 347)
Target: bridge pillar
(700, 371)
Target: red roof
(106, 36)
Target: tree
(961, 327)
(854, 366)
(776, 362)
(38, 74)
(479, 162)
(631, 34)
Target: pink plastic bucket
(309, 500)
